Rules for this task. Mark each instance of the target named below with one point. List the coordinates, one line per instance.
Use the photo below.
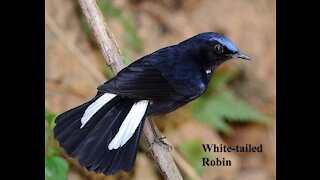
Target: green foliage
(220, 80)
(109, 10)
(55, 167)
(131, 37)
(219, 104)
(50, 117)
(49, 146)
(194, 153)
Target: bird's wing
(141, 80)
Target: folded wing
(141, 80)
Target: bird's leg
(161, 142)
(158, 139)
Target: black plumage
(168, 78)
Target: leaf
(55, 168)
(216, 109)
(222, 79)
(194, 153)
(204, 111)
(53, 150)
(50, 118)
(46, 138)
(49, 145)
(241, 110)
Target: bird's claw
(161, 142)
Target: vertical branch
(103, 35)
(162, 156)
(113, 58)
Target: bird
(104, 133)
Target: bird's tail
(103, 133)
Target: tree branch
(73, 49)
(113, 58)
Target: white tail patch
(95, 106)
(129, 125)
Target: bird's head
(212, 49)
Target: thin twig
(55, 86)
(74, 50)
(184, 165)
(114, 59)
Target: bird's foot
(161, 142)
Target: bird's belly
(191, 89)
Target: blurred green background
(238, 108)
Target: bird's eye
(218, 49)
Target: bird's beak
(242, 56)
(239, 55)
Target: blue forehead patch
(225, 41)
(222, 39)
